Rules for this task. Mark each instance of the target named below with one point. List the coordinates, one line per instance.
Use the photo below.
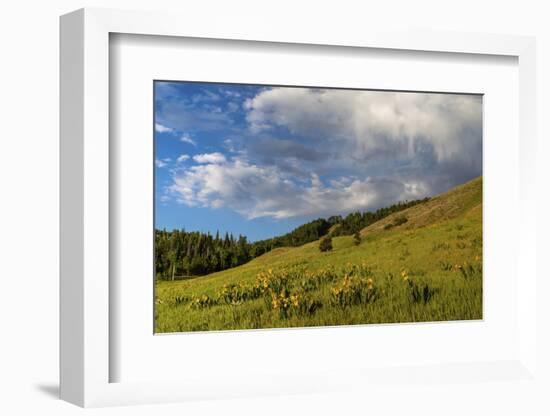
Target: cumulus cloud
(372, 122)
(215, 157)
(264, 191)
(298, 152)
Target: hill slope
(451, 204)
(436, 252)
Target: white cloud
(215, 157)
(258, 191)
(186, 138)
(309, 153)
(159, 128)
(182, 158)
(161, 163)
(372, 122)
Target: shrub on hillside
(400, 220)
(325, 244)
(396, 222)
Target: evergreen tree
(326, 243)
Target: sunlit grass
(428, 268)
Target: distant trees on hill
(180, 254)
(301, 235)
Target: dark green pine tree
(325, 243)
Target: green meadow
(421, 264)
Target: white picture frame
(85, 353)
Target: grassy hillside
(421, 264)
(464, 199)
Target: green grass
(425, 269)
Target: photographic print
(288, 206)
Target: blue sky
(259, 161)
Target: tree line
(182, 254)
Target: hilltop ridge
(451, 204)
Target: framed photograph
(273, 212)
(288, 206)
